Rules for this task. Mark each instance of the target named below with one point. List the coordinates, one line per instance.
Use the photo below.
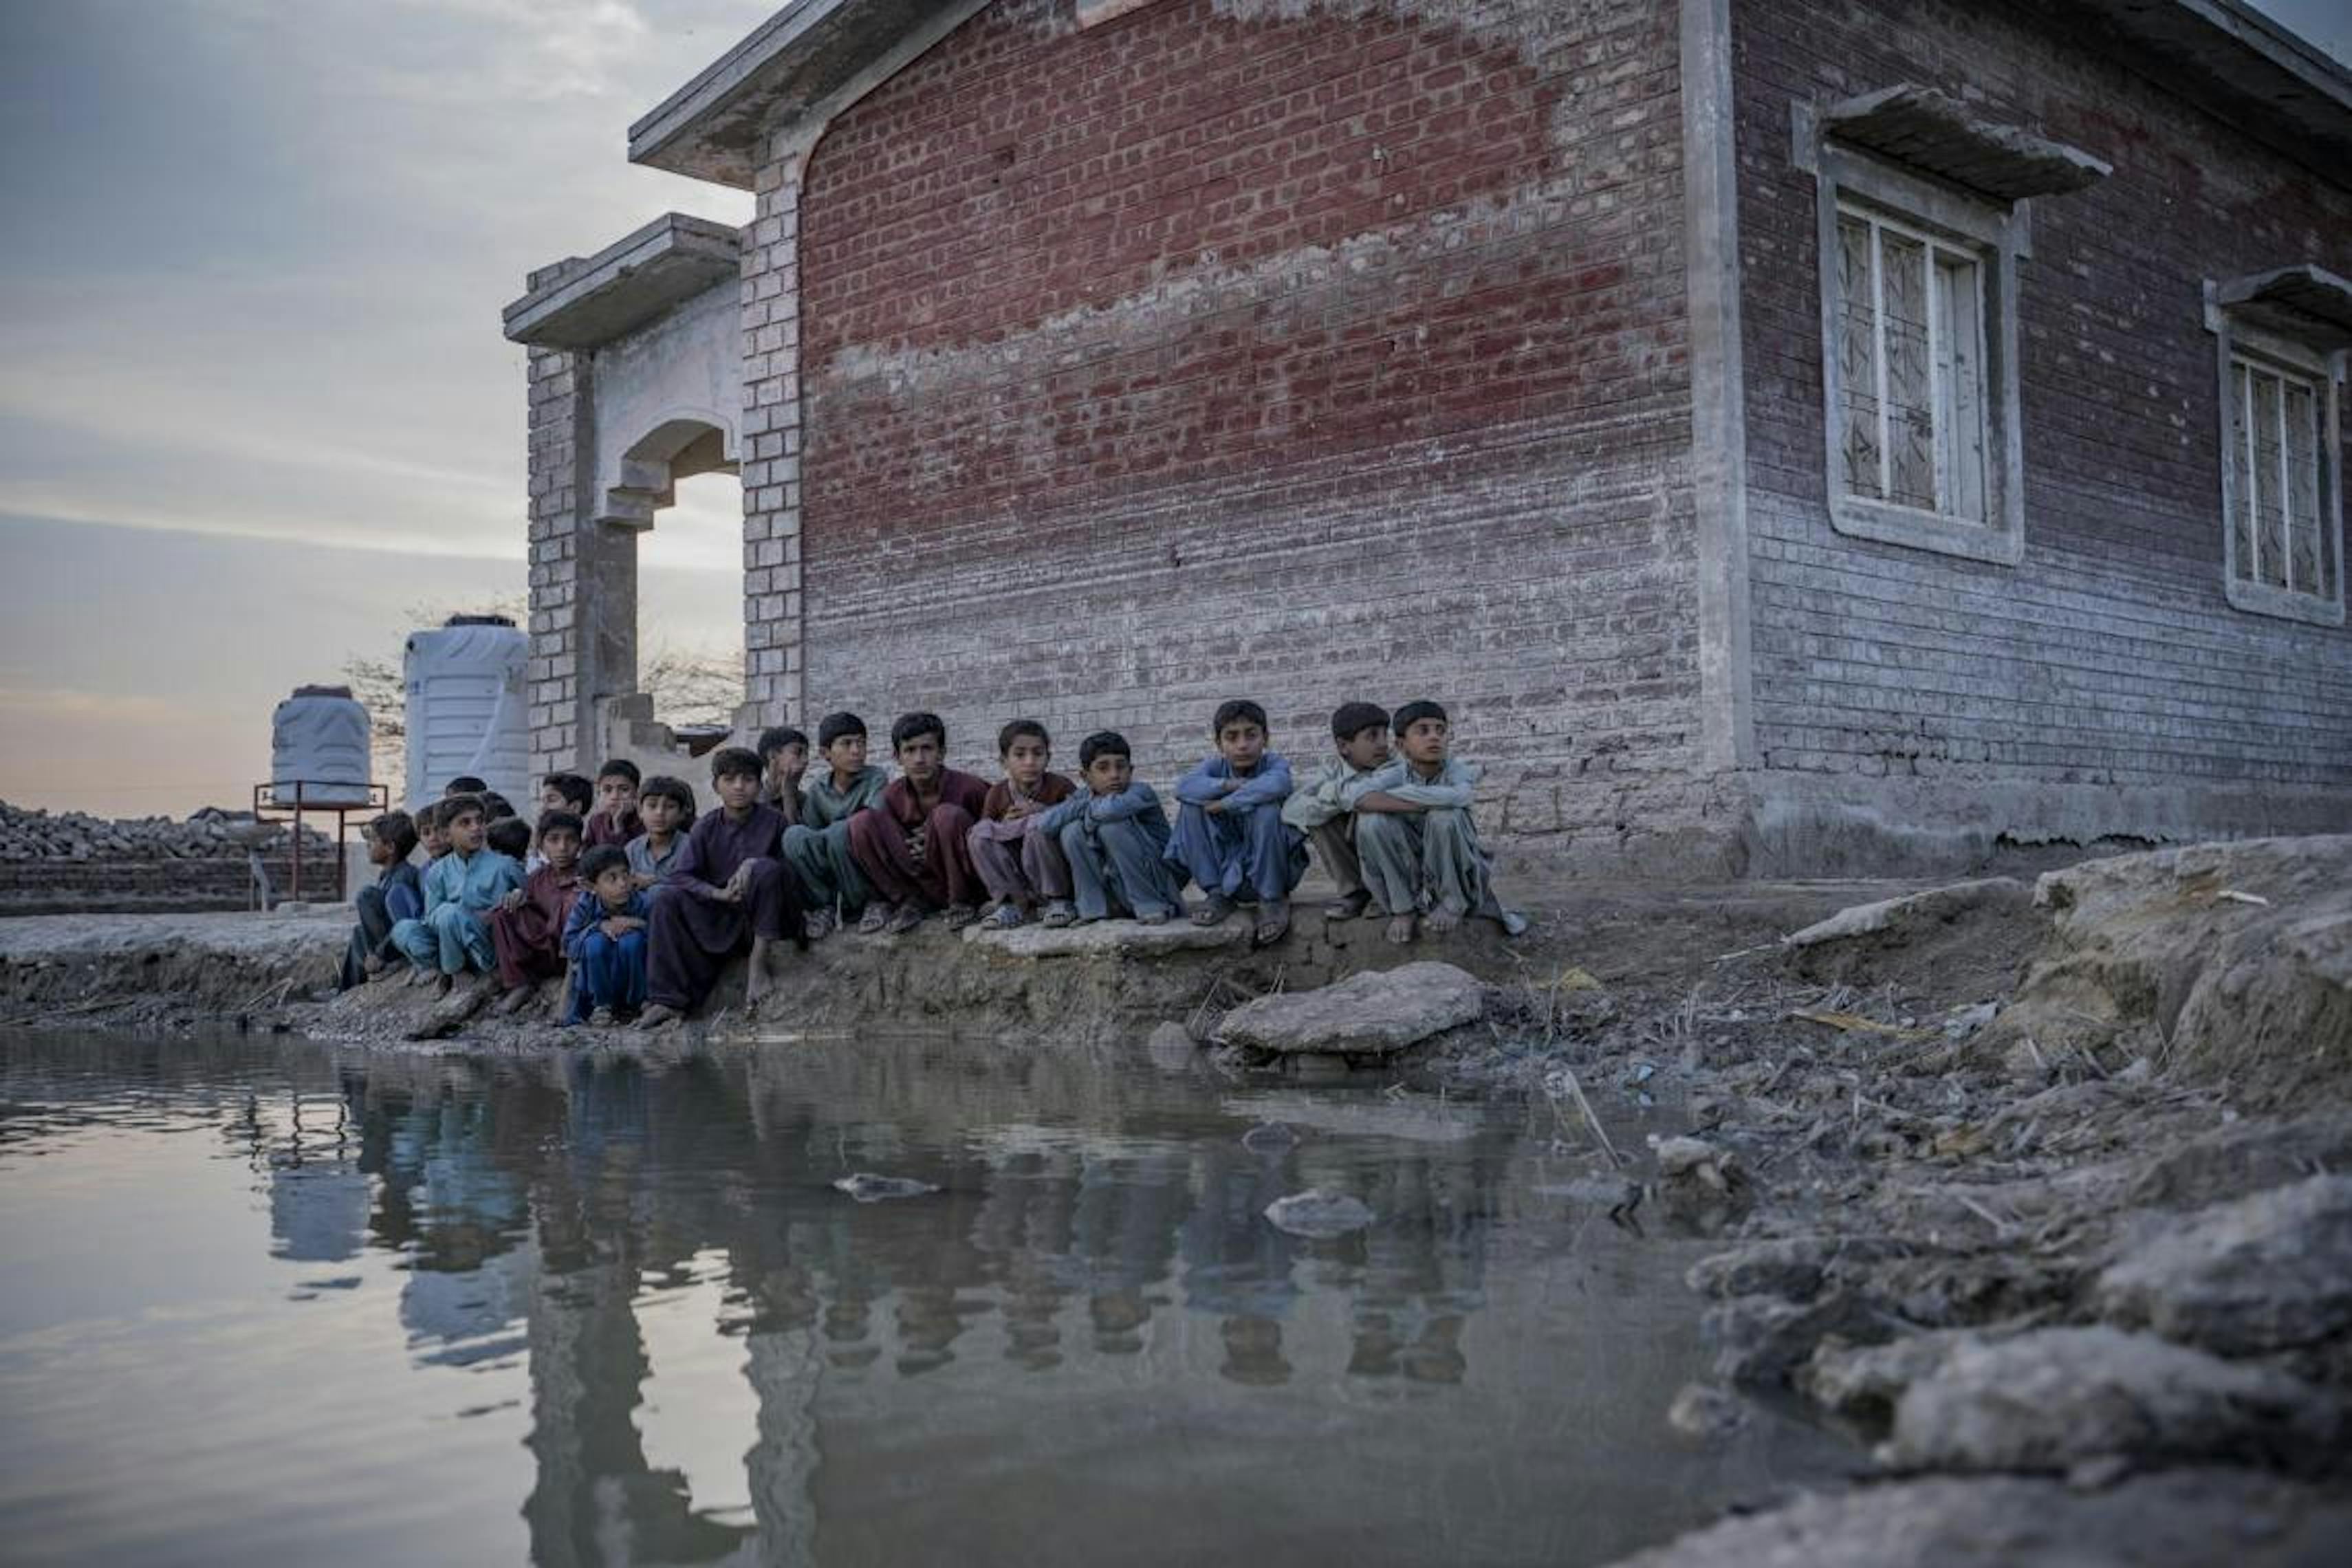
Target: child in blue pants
(606, 940)
(1115, 839)
(1230, 836)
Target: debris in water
(868, 1188)
(1269, 1136)
(1319, 1214)
(1702, 1411)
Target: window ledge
(2308, 304)
(2263, 599)
(1927, 531)
(1935, 132)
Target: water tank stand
(271, 802)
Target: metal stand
(281, 799)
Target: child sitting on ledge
(1020, 866)
(730, 890)
(527, 928)
(1230, 836)
(1115, 839)
(398, 895)
(665, 807)
(605, 941)
(914, 849)
(1420, 848)
(460, 888)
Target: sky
(255, 406)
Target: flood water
(275, 1301)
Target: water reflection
(1088, 1343)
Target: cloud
(18, 704)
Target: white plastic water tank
(319, 749)
(465, 708)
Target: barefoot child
(527, 928)
(605, 941)
(666, 808)
(783, 752)
(615, 820)
(818, 848)
(730, 890)
(460, 888)
(1230, 836)
(1020, 866)
(398, 895)
(1114, 836)
(914, 849)
(1361, 731)
(1420, 848)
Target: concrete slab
(1103, 937)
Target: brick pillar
(561, 683)
(771, 458)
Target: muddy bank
(2034, 1189)
(1092, 985)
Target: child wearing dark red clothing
(527, 927)
(615, 820)
(914, 849)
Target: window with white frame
(1912, 398)
(2277, 426)
(1924, 217)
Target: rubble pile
(30, 836)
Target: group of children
(641, 904)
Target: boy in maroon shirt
(914, 847)
(527, 927)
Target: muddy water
(265, 1301)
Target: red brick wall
(1200, 354)
(2109, 656)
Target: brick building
(1790, 434)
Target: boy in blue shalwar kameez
(605, 941)
(1230, 836)
(1115, 837)
(460, 889)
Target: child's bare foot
(959, 915)
(1213, 911)
(654, 1016)
(1152, 917)
(1060, 912)
(1399, 930)
(1272, 922)
(1442, 920)
(516, 999)
(818, 924)
(757, 985)
(602, 1019)
(1348, 907)
(876, 919)
(904, 919)
(420, 975)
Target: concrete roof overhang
(2240, 65)
(2218, 53)
(715, 127)
(591, 301)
